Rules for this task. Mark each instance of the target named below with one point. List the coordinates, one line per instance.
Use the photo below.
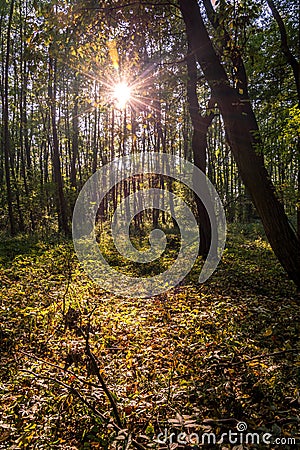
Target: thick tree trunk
(245, 140)
(199, 146)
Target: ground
(198, 359)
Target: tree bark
(6, 137)
(75, 134)
(199, 145)
(246, 144)
(61, 202)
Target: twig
(34, 357)
(71, 389)
(74, 391)
(228, 421)
(266, 355)
(257, 357)
(96, 370)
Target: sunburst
(122, 93)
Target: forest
(150, 224)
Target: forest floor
(212, 358)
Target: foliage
(150, 53)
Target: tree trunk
(75, 134)
(61, 203)
(246, 144)
(199, 145)
(6, 137)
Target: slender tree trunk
(246, 144)
(61, 203)
(95, 134)
(24, 139)
(73, 177)
(6, 137)
(157, 145)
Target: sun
(122, 94)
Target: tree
(60, 196)
(245, 140)
(200, 124)
(295, 66)
(6, 140)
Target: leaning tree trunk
(242, 129)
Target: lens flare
(122, 94)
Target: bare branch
(290, 58)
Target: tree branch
(241, 74)
(290, 58)
(96, 370)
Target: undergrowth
(199, 358)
